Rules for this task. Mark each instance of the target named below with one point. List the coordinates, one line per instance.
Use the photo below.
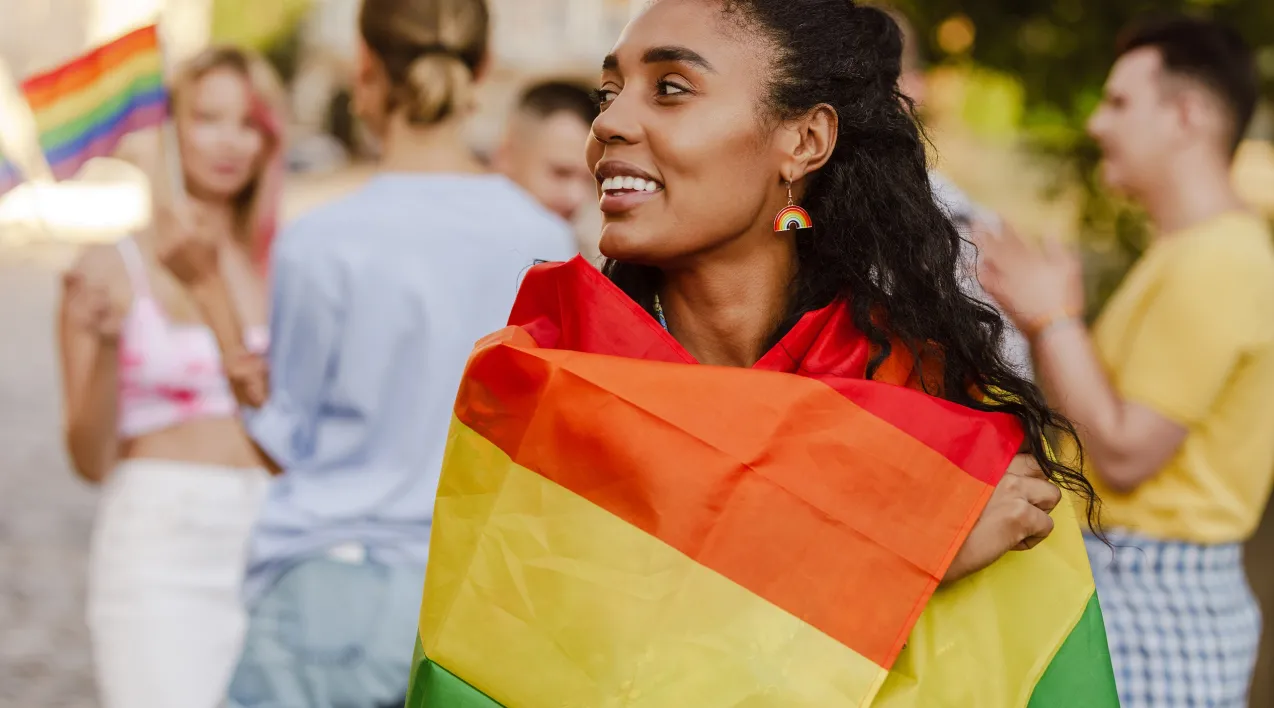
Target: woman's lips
(621, 201)
(228, 169)
(623, 192)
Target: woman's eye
(668, 88)
(603, 96)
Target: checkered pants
(1182, 621)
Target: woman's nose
(619, 122)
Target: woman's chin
(623, 243)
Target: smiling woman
(725, 109)
(733, 469)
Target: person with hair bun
(377, 300)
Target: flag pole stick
(170, 145)
(19, 146)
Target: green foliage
(269, 26)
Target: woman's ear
(483, 68)
(816, 134)
(368, 90)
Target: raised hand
(1034, 286)
(90, 307)
(186, 246)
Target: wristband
(1038, 326)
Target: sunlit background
(1012, 82)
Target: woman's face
(685, 161)
(222, 144)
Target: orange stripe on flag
(781, 484)
(47, 88)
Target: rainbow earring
(792, 217)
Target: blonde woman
(150, 416)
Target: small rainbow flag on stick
(83, 108)
(618, 526)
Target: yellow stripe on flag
(541, 599)
(114, 82)
(987, 640)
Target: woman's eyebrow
(656, 55)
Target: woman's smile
(623, 186)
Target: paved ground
(45, 514)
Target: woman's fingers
(1025, 466)
(1033, 484)
(1042, 494)
(1034, 525)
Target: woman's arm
(88, 332)
(281, 398)
(193, 255)
(1127, 442)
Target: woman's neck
(725, 307)
(218, 216)
(436, 148)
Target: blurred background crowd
(1009, 85)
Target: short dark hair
(1207, 52)
(548, 98)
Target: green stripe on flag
(1080, 674)
(54, 137)
(434, 687)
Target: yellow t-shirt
(1190, 334)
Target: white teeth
(628, 183)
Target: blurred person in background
(967, 214)
(1173, 391)
(543, 146)
(150, 416)
(377, 301)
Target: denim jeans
(331, 634)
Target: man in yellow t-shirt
(1173, 391)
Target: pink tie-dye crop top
(169, 373)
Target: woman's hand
(186, 247)
(249, 379)
(1015, 519)
(1034, 286)
(89, 307)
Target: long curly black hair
(881, 240)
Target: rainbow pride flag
(617, 526)
(83, 108)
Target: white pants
(165, 576)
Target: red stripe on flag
(49, 87)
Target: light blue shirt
(378, 300)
